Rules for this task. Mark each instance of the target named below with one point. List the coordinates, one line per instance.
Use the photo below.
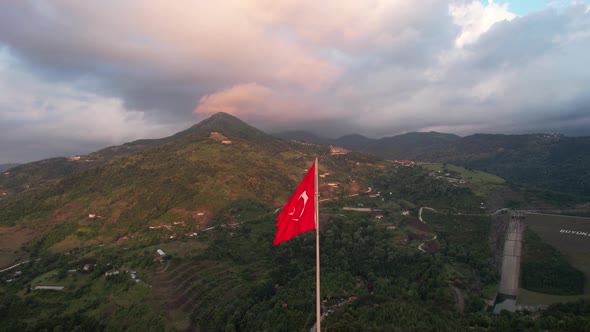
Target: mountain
(207, 166)
(553, 162)
(221, 179)
(411, 145)
(176, 234)
(404, 146)
(303, 136)
(44, 173)
(5, 167)
(353, 142)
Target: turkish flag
(298, 215)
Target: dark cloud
(515, 43)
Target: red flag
(298, 215)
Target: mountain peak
(222, 116)
(221, 119)
(228, 124)
(221, 122)
(231, 127)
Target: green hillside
(550, 162)
(207, 198)
(43, 173)
(412, 145)
(545, 161)
(206, 168)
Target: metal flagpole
(317, 251)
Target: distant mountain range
(553, 162)
(5, 167)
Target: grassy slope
(480, 182)
(574, 248)
(545, 270)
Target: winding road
(420, 217)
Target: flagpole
(317, 251)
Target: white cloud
(475, 19)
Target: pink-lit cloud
(246, 98)
(377, 67)
(254, 102)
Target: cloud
(41, 120)
(245, 98)
(475, 19)
(377, 67)
(255, 103)
(514, 77)
(157, 55)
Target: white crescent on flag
(305, 198)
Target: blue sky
(523, 7)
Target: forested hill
(44, 173)
(177, 236)
(208, 166)
(553, 162)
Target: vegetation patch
(465, 238)
(563, 234)
(545, 270)
(414, 185)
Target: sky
(77, 76)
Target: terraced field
(200, 292)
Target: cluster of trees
(358, 259)
(393, 289)
(466, 240)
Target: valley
(178, 236)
